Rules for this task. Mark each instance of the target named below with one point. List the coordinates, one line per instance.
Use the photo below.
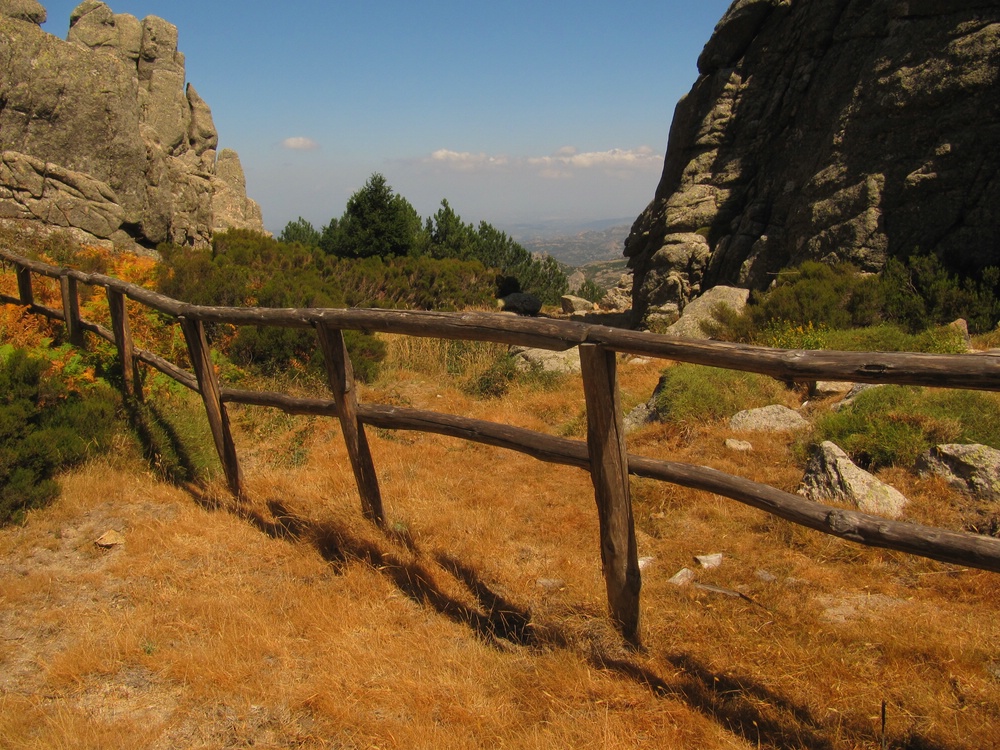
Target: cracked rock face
(829, 130)
(99, 133)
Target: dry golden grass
(286, 620)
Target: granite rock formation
(99, 134)
(827, 130)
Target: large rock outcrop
(828, 130)
(100, 135)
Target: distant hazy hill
(577, 245)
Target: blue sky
(514, 111)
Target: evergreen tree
(376, 223)
(300, 231)
(449, 236)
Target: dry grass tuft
(478, 618)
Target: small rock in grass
(709, 561)
(110, 539)
(682, 577)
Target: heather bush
(44, 427)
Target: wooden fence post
(24, 286)
(123, 341)
(208, 386)
(71, 310)
(340, 373)
(609, 472)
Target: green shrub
(913, 296)
(689, 393)
(503, 372)
(591, 291)
(43, 428)
(892, 425)
(495, 381)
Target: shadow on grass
(743, 706)
(161, 444)
(495, 620)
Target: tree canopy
(378, 223)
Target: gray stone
(547, 360)
(961, 329)
(741, 446)
(106, 112)
(572, 304)
(31, 189)
(970, 468)
(831, 475)
(94, 25)
(682, 577)
(619, 297)
(708, 562)
(827, 388)
(826, 131)
(231, 209)
(640, 416)
(23, 10)
(702, 308)
(773, 418)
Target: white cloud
(300, 143)
(616, 158)
(562, 164)
(467, 160)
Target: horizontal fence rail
(603, 454)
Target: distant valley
(575, 245)
(591, 252)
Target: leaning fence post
(609, 472)
(340, 373)
(24, 286)
(71, 310)
(208, 387)
(123, 340)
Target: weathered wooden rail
(604, 453)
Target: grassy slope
(288, 621)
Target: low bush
(814, 298)
(892, 425)
(496, 380)
(44, 427)
(885, 337)
(689, 393)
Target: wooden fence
(603, 454)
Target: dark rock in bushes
(521, 303)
